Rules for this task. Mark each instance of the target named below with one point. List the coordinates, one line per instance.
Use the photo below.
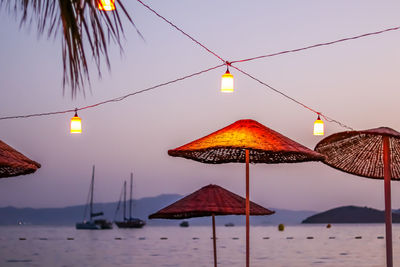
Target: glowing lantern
(318, 127)
(227, 82)
(106, 5)
(76, 124)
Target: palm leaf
(83, 27)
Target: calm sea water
(299, 245)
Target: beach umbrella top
(229, 145)
(361, 152)
(209, 200)
(13, 163)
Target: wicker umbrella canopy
(13, 163)
(229, 144)
(361, 152)
(211, 200)
(246, 141)
(373, 153)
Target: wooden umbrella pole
(247, 211)
(388, 204)
(214, 240)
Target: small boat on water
(184, 224)
(100, 224)
(129, 222)
(91, 224)
(230, 224)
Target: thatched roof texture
(229, 145)
(211, 199)
(361, 152)
(13, 163)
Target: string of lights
(117, 99)
(226, 76)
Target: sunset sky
(355, 82)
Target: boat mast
(91, 195)
(124, 200)
(130, 200)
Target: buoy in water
(281, 227)
(328, 225)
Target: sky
(354, 82)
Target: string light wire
(180, 30)
(293, 99)
(215, 67)
(117, 99)
(268, 55)
(317, 45)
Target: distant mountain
(142, 208)
(70, 215)
(351, 214)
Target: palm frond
(83, 27)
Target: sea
(344, 245)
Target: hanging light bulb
(318, 126)
(76, 123)
(106, 5)
(227, 81)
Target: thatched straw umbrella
(245, 141)
(211, 200)
(13, 163)
(373, 153)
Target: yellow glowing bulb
(106, 5)
(318, 127)
(227, 82)
(76, 124)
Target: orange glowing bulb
(227, 82)
(318, 127)
(106, 5)
(76, 124)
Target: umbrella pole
(388, 205)
(214, 240)
(247, 211)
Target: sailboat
(129, 222)
(92, 224)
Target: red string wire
(317, 45)
(117, 99)
(180, 30)
(293, 99)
